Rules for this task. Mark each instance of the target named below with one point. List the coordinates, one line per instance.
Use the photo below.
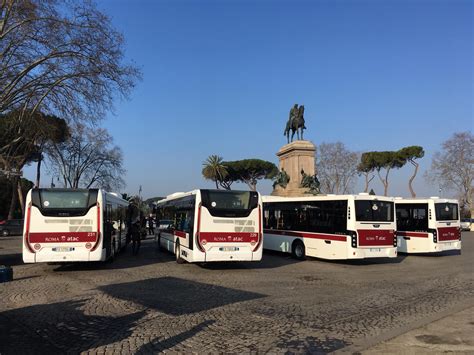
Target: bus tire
(298, 250)
(179, 259)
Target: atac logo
(63, 238)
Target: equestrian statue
(295, 123)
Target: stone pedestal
(293, 157)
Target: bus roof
(177, 195)
(328, 197)
(434, 199)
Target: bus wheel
(179, 259)
(298, 250)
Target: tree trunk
(384, 181)
(20, 197)
(14, 199)
(367, 181)
(413, 194)
(38, 171)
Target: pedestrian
(151, 229)
(136, 238)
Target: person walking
(136, 238)
(151, 229)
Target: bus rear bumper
(47, 255)
(445, 246)
(243, 254)
(373, 252)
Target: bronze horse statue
(295, 123)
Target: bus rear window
(229, 203)
(446, 211)
(64, 199)
(374, 211)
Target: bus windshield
(229, 203)
(374, 211)
(64, 199)
(446, 211)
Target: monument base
(295, 192)
(294, 157)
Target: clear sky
(219, 77)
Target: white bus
(335, 227)
(211, 225)
(68, 225)
(428, 225)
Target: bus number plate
(63, 249)
(229, 249)
(375, 250)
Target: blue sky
(219, 77)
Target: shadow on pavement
(60, 328)
(124, 260)
(175, 296)
(270, 260)
(437, 255)
(11, 259)
(160, 345)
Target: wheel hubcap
(299, 251)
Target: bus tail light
(460, 232)
(27, 229)
(260, 231)
(395, 239)
(353, 239)
(88, 245)
(435, 235)
(198, 229)
(98, 228)
(37, 246)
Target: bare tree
(336, 168)
(453, 167)
(61, 57)
(88, 159)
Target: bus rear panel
(212, 225)
(66, 225)
(428, 225)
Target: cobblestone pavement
(148, 303)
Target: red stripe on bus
(260, 233)
(448, 233)
(97, 242)
(71, 237)
(27, 229)
(375, 237)
(333, 237)
(180, 234)
(228, 237)
(412, 234)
